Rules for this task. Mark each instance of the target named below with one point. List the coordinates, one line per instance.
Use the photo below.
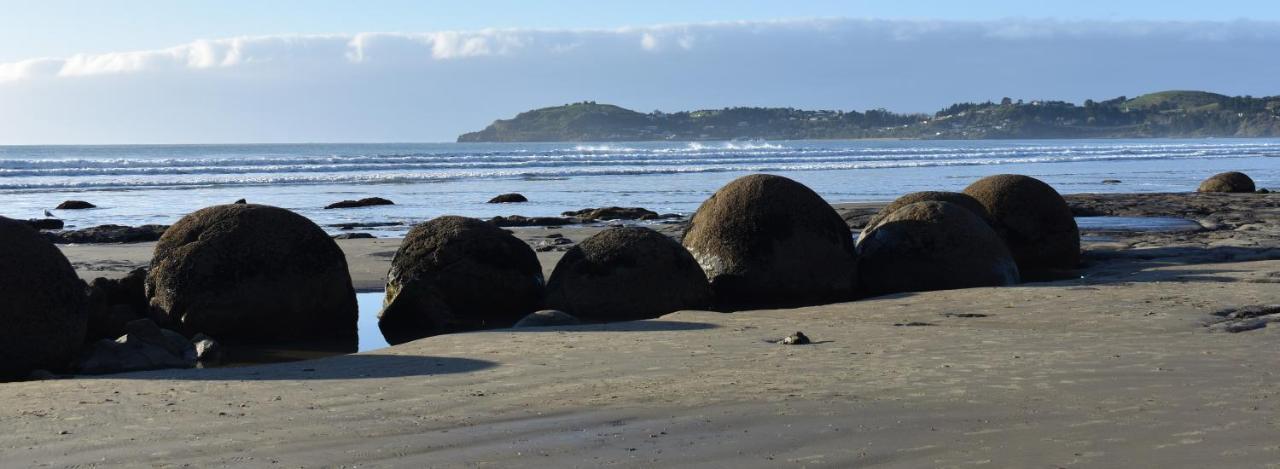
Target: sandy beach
(1124, 366)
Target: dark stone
(547, 317)
(250, 272)
(241, 201)
(613, 213)
(932, 246)
(42, 304)
(1037, 225)
(624, 274)
(455, 274)
(109, 234)
(144, 346)
(354, 236)
(1111, 181)
(766, 240)
(508, 199)
(796, 339)
(962, 200)
(45, 224)
(74, 205)
(114, 303)
(368, 224)
(517, 220)
(365, 202)
(1231, 181)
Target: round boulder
(508, 199)
(247, 272)
(42, 304)
(1228, 182)
(933, 245)
(1034, 220)
(765, 240)
(454, 274)
(957, 198)
(627, 273)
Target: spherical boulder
(454, 274)
(253, 273)
(627, 273)
(963, 200)
(766, 240)
(1034, 220)
(932, 245)
(42, 303)
(1228, 182)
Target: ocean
(142, 184)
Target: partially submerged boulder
(508, 199)
(766, 240)
(547, 317)
(957, 198)
(518, 220)
(455, 274)
(248, 272)
(932, 245)
(1232, 181)
(1034, 220)
(74, 205)
(113, 303)
(42, 304)
(365, 202)
(613, 213)
(627, 273)
(102, 234)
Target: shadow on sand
(361, 366)
(648, 325)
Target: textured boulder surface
(1228, 182)
(365, 202)
(508, 199)
(766, 240)
(627, 273)
(74, 205)
(144, 346)
(1034, 220)
(933, 245)
(455, 274)
(247, 272)
(961, 199)
(42, 303)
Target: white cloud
(433, 85)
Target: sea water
(142, 184)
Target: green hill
(1162, 114)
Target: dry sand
(1114, 369)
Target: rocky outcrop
(517, 220)
(1034, 220)
(1232, 181)
(766, 240)
(45, 224)
(249, 272)
(508, 199)
(613, 213)
(144, 346)
(113, 303)
(365, 202)
(74, 205)
(455, 274)
(42, 304)
(627, 273)
(104, 234)
(932, 245)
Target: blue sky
(291, 71)
(36, 28)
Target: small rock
(144, 347)
(796, 339)
(365, 202)
(508, 199)
(208, 351)
(1111, 181)
(241, 201)
(548, 317)
(354, 236)
(912, 324)
(74, 205)
(517, 220)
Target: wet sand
(1125, 366)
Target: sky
(135, 71)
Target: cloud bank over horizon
(432, 86)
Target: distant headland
(1169, 114)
